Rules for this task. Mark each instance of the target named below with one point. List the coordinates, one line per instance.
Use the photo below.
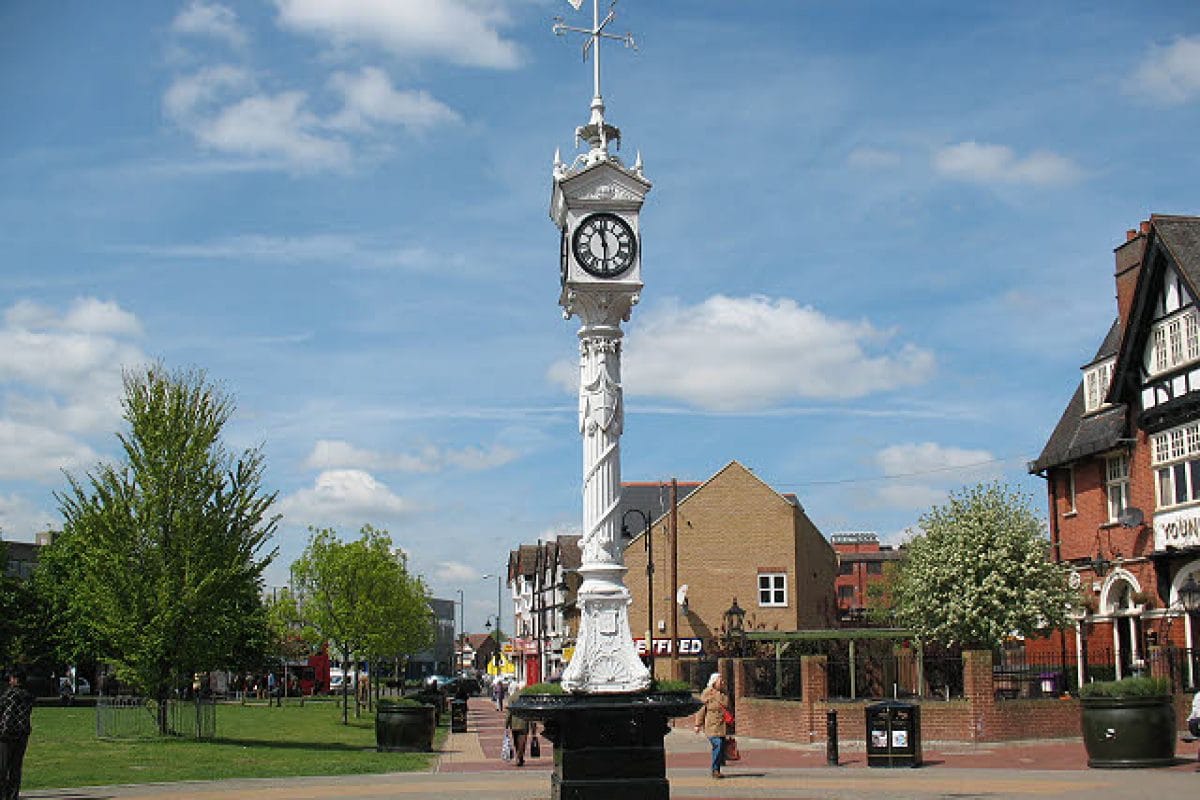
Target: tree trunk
(345, 681)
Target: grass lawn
(253, 741)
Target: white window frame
(1071, 489)
(1176, 341)
(1116, 484)
(1175, 457)
(774, 594)
(1096, 380)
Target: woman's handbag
(506, 747)
(731, 749)
(726, 715)
(535, 748)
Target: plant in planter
(1143, 598)
(404, 725)
(1128, 723)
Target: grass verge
(252, 742)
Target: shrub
(387, 704)
(1127, 687)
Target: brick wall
(978, 716)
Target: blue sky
(878, 247)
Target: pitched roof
(569, 551)
(1078, 435)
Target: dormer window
(1176, 341)
(1096, 380)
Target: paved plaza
(470, 767)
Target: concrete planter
(1124, 732)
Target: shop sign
(1177, 529)
(662, 647)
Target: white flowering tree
(979, 571)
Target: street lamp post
(1189, 598)
(462, 636)
(735, 628)
(649, 578)
(499, 611)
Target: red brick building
(1122, 467)
(862, 561)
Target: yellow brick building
(738, 539)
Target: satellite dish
(1131, 517)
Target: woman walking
(711, 719)
(519, 730)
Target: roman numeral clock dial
(604, 245)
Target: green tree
(360, 598)
(979, 571)
(171, 544)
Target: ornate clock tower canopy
(596, 202)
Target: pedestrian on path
(499, 692)
(16, 709)
(520, 730)
(712, 719)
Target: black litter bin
(893, 734)
(458, 716)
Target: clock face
(604, 245)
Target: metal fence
(144, 718)
(869, 673)
(1020, 675)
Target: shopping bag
(731, 749)
(535, 748)
(506, 747)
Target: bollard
(831, 739)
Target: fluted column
(605, 659)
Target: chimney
(1129, 266)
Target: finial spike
(637, 163)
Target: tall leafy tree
(360, 598)
(172, 542)
(979, 571)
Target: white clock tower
(595, 203)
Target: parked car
(82, 686)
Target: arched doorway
(1174, 605)
(1126, 615)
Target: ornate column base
(605, 659)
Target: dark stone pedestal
(607, 746)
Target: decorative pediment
(606, 185)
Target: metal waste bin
(893, 734)
(458, 716)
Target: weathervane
(596, 132)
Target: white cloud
(348, 497)
(455, 572)
(333, 454)
(345, 251)
(370, 98)
(35, 451)
(190, 97)
(19, 520)
(929, 457)
(60, 374)
(924, 472)
(278, 125)
(458, 31)
(209, 19)
(739, 354)
(1171, 74)
(993, 163)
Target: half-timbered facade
(1122, 466)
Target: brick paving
(469, 768)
